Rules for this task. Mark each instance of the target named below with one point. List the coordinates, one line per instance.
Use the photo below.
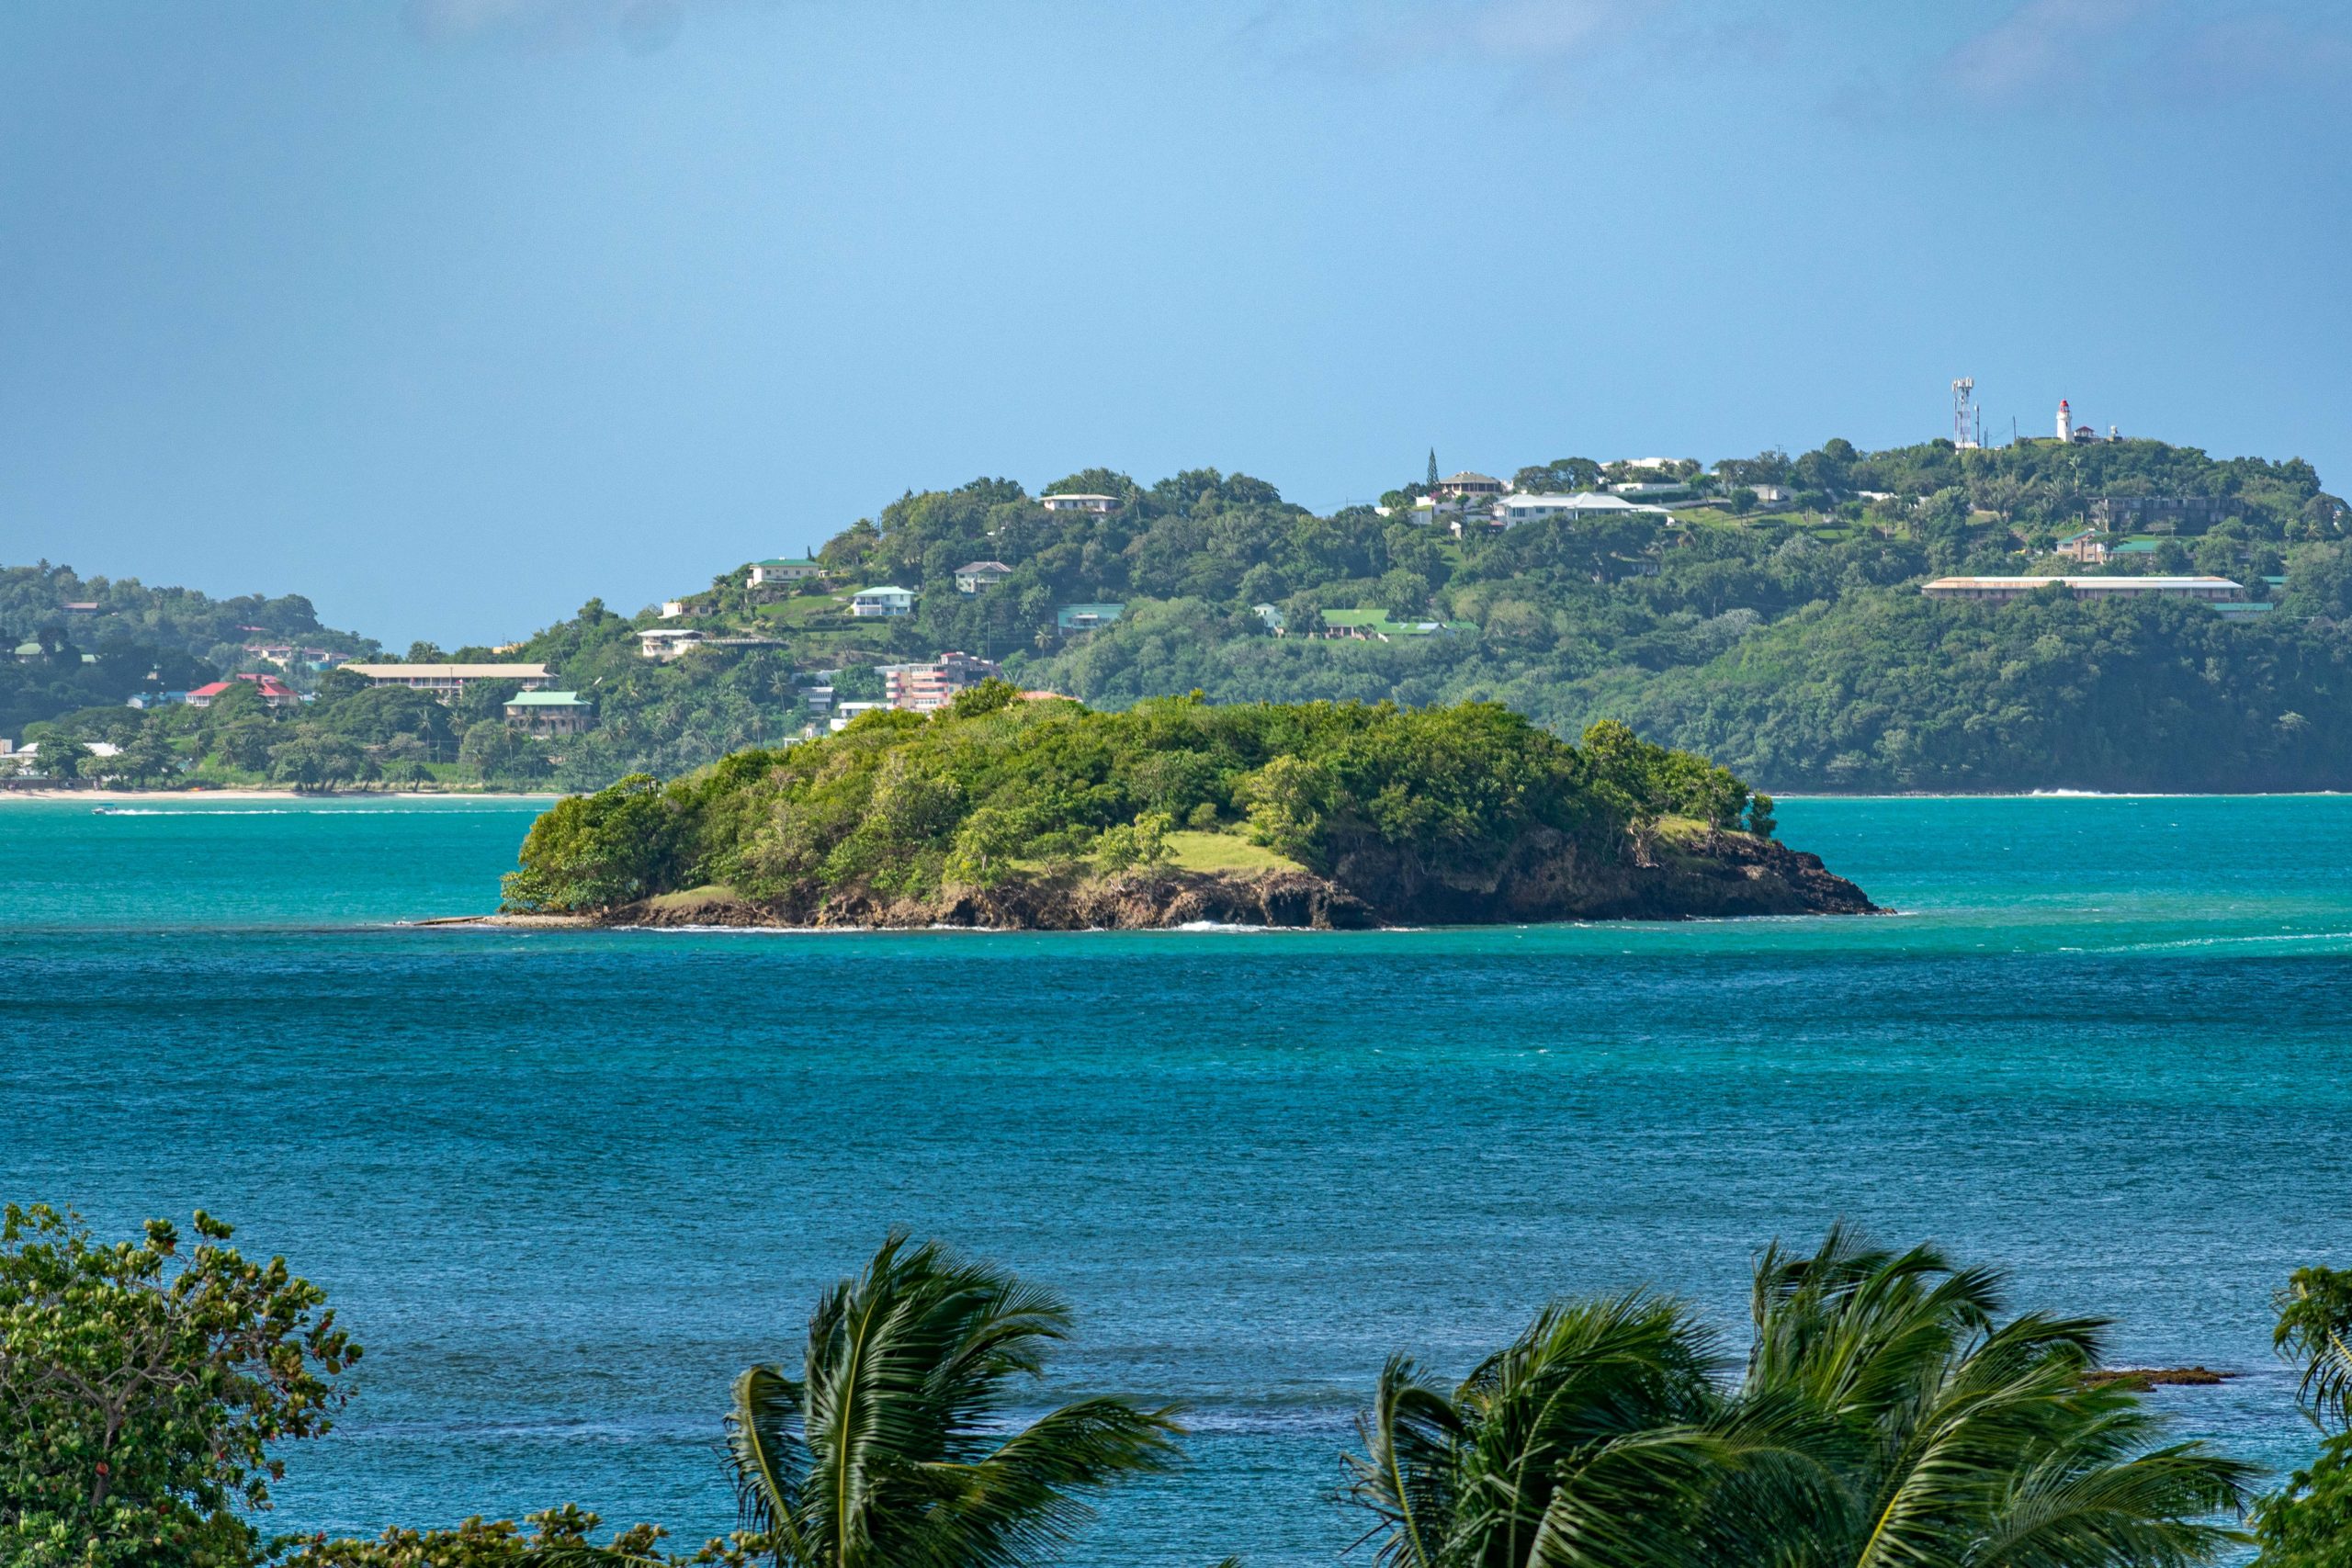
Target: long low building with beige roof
(2001, 590)
(448, 681)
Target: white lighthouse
(2065, 420)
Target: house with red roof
(273, 692)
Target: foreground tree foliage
(1888, 1412)
(2308, 1523)
(143, 1388)
(888, 1450)
(556, 1538)
(907, 804)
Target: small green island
(1021, 810)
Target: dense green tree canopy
(144, 1390)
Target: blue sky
(454, 313)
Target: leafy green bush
(596, 851)
(143, 1390)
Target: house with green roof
(551, 713)
(1376, 625)
(1086, 617)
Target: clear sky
(454, 313)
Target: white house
(973, 576)
(768, 573)
(1517, 508)
(1074, 502)
(869, 604)
(845, 712)
(666, 642)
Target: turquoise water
(565, 1185)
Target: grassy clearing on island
(1228, 854)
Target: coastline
(255, 792)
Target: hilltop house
(1076, 502)
(868, 604)
(770, 574)
(446, 682)
(973, 576)
(1517, 508)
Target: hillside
(1001, 811)
(1771, 619)
(102, 639)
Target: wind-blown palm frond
(2315, 1332)
(889, 1450)
(764, 1442)
(1888, 1416)
(1406, 1475)
(2102, 1495)
(1755, 1483)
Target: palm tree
(2315, 1332)
(1887, 1416)
(891, 1450)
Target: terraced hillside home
(973, 576)
(882, 603)
(926, 688)
(784, 573)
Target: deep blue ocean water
(565, 1185)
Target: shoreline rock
(1545, 881)
(2140, 1379)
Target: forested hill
(1771, 620)
(104, 639)
(1788, 640)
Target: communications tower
(1966, 431)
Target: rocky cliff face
(1546, 878)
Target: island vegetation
(1771, 620)
(1008, 810)
(1880, 1407)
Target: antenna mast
(1966, 430)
